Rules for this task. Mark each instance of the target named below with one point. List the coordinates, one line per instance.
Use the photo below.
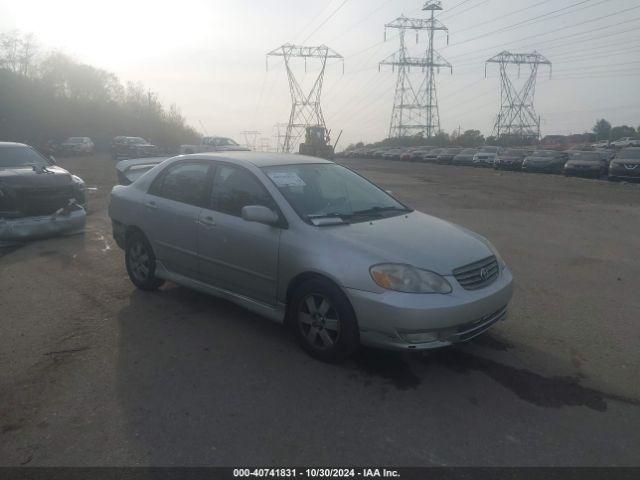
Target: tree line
(47, 95)
(602, 131)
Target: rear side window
(185, 183)
(235, 188)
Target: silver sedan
(312, 244)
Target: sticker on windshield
(286, 179)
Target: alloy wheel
(139, 261)
(319, 321)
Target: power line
(501, 45)
(530, 21)
(506, 15)
(362, 20)
(318, 15)
(326, 20)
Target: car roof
(261, 159)
(12, 144)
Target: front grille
(477, 275)
(43, 200)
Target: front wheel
(323, 321)
(141, 263)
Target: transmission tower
(279, 135)
(415, 110)
(306, 110)
(517, 116)
(250, 139)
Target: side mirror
(52, 160)
(259, 214)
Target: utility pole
(517, 116)
(415, 110)
(306, 110)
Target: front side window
(235, 188)
(185, 183)
(328, 190)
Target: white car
(484, 159)
(77, 146)
(626, 142)
(310, 243)
(212, 144)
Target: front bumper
(622, 172)
(542, 168)
(502, 165)
(385, 319)
(583, 171)
(65, 221)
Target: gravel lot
(97, 373)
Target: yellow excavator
(317, 143)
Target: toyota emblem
(484, 273)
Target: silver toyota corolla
(312, 244)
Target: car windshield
(21, 157)
(75, 140)
(630, 154)
(514, 153)
(327, 190)
(136, 141)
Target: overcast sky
(208, 57)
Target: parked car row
(595, 163)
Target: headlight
(408, 279)
(78, 182)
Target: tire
(141, 263)
(323, 321)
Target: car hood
(29, 177)
(415, 239)
(628, 161)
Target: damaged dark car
(37, 198)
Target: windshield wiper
(330, 215)
(333, 218)
(379, 211)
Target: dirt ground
(94, 372)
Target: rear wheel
(141, 263)
(323, 321)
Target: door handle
(151, 205)
(207, 221)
